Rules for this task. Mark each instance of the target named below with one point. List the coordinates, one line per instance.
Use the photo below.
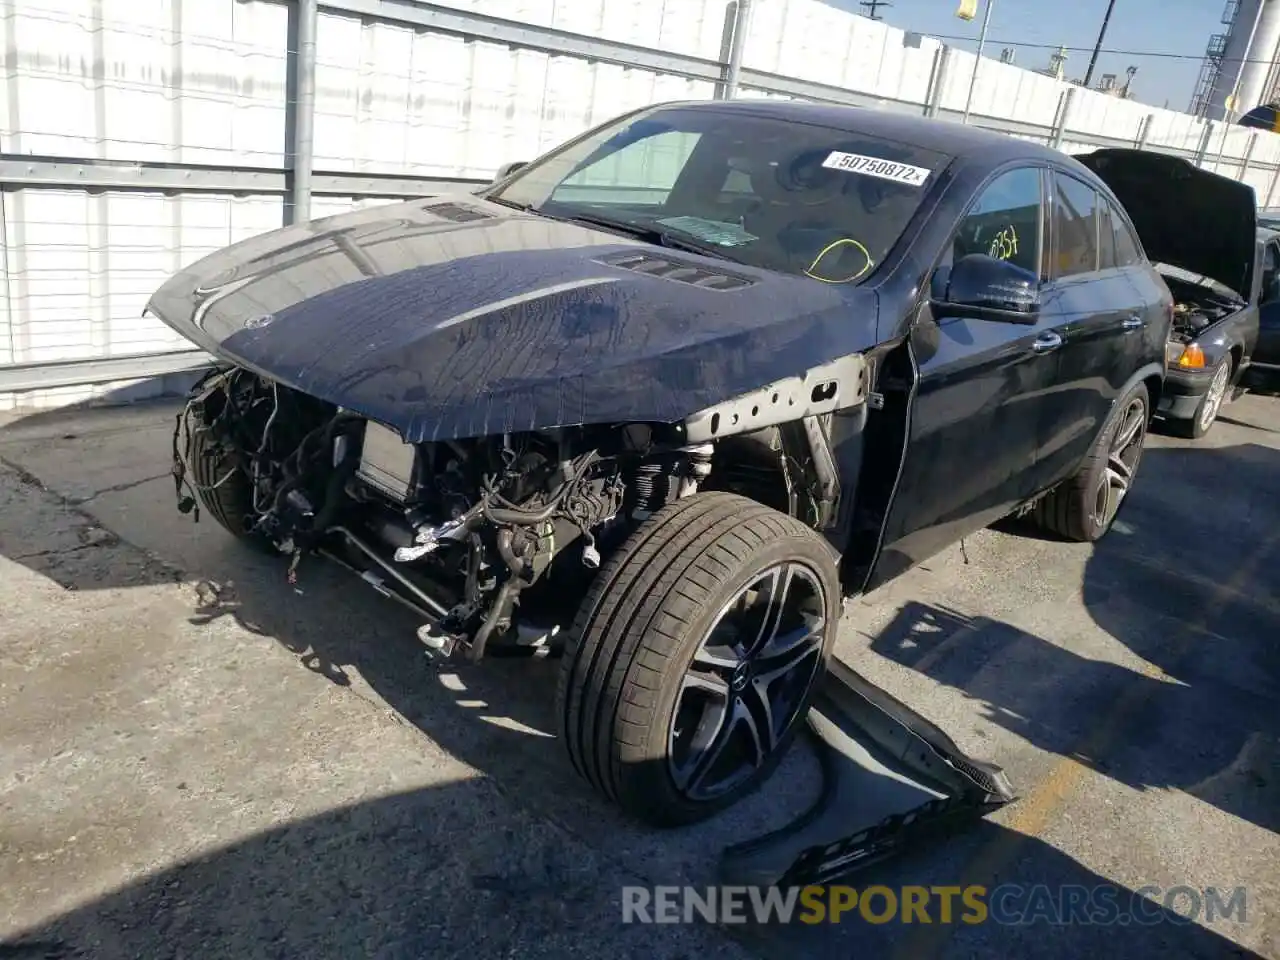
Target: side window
(1127, 249)
(1270, 272)
(1106, 236)
(1075, 222)
(1004, 221)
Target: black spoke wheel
(1084, 506)
(695, 656)
(747, 681)
(1210, 405)
(1122, 461)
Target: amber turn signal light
(1192, 357)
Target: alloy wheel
(747, 682)
(1122, 461)
(1215, 395)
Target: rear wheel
(695, 655)
(1083, 507)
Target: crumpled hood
(455, 317)
(1186, 217)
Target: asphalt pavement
(197, 759)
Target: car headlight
(1188, 356)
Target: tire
(636, 634)
(1073, 509)
(1210, 404)
(222, 487)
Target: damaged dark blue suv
(662, 398)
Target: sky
(1137, 27)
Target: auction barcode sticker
(877, 167)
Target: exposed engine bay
(486, 538)
(1198, 305)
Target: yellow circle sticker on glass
(843, 261)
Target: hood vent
(680, 271)
(457, 212)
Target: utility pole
(1097, 47)
(982, 40)
(873, 7)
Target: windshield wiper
(651, 234)
(514, 205)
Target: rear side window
(1075, 220)
(1004, 220)
(1106, 237)
(1128, 250)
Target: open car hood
(453, 317)
(1186, 217)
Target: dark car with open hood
(1201, 231)
(661, 399)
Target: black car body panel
(1187, 217)
(1202, 231)
(1266, 353)
(505, 322)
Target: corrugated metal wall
(188, 91)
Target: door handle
(1133, 322)
(1046, 341)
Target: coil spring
(649, 490)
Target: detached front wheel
(695, 655)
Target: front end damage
(490, 539)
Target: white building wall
(204, 82)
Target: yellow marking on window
(831, 246)
(1005, 244)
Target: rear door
(1101, 317)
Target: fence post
(1271, 190)
(300, 108)
(937, 80)
(1144, 131)
(6, 289)
(1248, 155)
(1203, 148)
(737, 18)
(726, 48)
(1064, 108)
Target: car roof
(927, 133)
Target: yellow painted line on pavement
(1030, 815)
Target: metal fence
(92, 221)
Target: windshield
(770, 193)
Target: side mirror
(985, 288)
(507, 169)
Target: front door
(1267, 349)
(974, 423)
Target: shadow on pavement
(1205, 723)
(1192, 592)
(394, 878)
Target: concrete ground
(198, 760)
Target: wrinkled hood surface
(454, 317)
(1186, 217)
